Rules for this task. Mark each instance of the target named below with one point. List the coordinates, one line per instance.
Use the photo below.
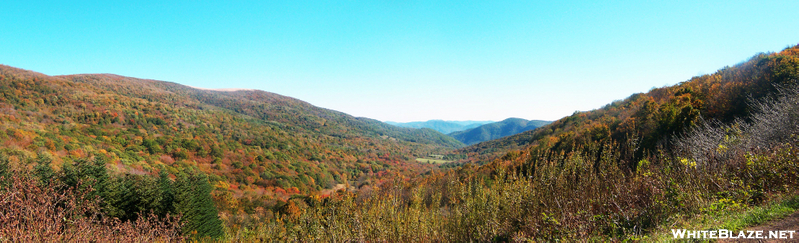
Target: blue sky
(402, 60)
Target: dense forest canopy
(252, 145)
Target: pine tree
(131, 196)
(84, 175)
(98, 173)
(5, 171)
(167, 190)
(193, 200)
(145, 196)
(43, 171)
(117, 199)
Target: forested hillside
(254, 146)
(645, 122)
(491, 131)
(717, 143)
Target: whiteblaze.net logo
(728, 234)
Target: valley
(250, 165)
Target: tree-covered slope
(496, 130)
(249, 142)
(713, 145)
(644, 122)
(263, 105)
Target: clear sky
(402, 60)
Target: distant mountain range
(473, 132)
(491, 131)
(441, 125)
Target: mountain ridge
(441, 126)
(496, 130)
(247, 140)
(649, 119)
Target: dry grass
(33, 213)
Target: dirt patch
(334, 189)
(791, 222)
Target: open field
(428, 160)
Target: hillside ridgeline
(491, 131)
(441, 126)
(256, 147)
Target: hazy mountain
(441, 125)
(497, 130)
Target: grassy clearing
(729, 219)
(435, 161)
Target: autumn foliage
(255, 147)
(272, 168)
(616, 173)
(32, 212)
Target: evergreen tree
(98, 173)
(125, 197)
(5, 171)
(131, 196)
(193, 200)
(145, 196)
(43, 170)
(84, 175)
(167, 190)
(118, 199)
